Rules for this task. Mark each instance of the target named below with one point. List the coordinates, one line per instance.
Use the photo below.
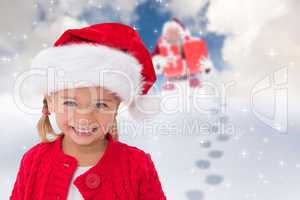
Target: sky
(234, 31)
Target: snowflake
(135, 28)
(272, 53)
(244, 110)
(244, 154)
(282, 163)
(228, 185)
(266, 140)
(261, 176)
(266, 181)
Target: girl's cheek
(66, 112)
(102, 122)
(104, 127)
(64, 118)
(60, 122)
(106, 123)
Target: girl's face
(84, 114)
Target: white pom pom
(145, 106)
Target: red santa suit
(182, 58)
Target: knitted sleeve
(19, 191)
(150, 187)
(19, 186)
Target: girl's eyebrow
(103, 99)
(66, 97)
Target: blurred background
(229, 131)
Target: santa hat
(111, 55)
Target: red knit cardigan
(123, 173)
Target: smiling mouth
(84, 132)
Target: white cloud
(242, 22)
(185, 9)
(261, 36)
(29, 27)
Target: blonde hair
(45, 129)
(44, 126)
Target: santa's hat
(111, 55)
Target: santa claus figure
(179, 56)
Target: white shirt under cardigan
(74, 193)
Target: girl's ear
(50, 105)
(114, 130)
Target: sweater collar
(95, 179)
(67, 158)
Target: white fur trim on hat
(86, 65)
(72, 66)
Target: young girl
(96, 69)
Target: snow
(200, 151)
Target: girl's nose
(84, 110)
(84, 116)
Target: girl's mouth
(84, 132)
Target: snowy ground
(200, 151)
(231, 155)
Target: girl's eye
(69, 103)
(100, 104)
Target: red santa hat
(111, 55)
